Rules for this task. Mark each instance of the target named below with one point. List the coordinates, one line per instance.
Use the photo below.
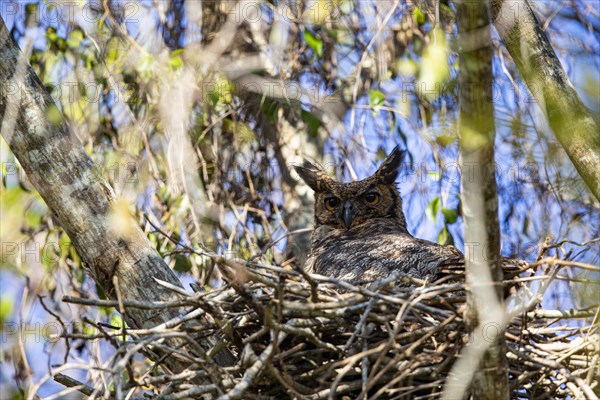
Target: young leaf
(74, 38)
(434, 70)
(376, 99)
(312, 122)
(314, 42)
(445, 237)
(432, 208)
(419, 16)
(450, 215)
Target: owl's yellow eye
(372, 198)
(331, 203)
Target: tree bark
(487, 368)
(291, 150)
(58, 167)
(548, 83)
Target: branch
(548, 83)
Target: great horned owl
(360, 231)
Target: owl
(360, 230)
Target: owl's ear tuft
(388, 171)
(313, 175)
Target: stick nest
(311, 337)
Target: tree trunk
(290, 150)
(548, 83)
(80, 199)
(487, 366)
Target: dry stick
(350, 362)
(73, 383)
(560, 314)
(390, 342)
(34, 389)
(251, 373)
(63, 326)
(568, 263)
(313, 285)
(396, 380)
(190, 393)
(554, 366)
(126, 303)
(295, 388)
(359, 326)
(408, 352)
(392, 338)
(595, 364)
(330, 393)
(365, 360)
(167, 378)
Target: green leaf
(54, 115)
(64, 246)
(432, 208)
(47, 76)
(241, 130)
(447, 10)
(376, 99)
(435, 175)
(33, 218)
(175, 60)
(402, 135)
(314, 42)
(270, 108)
(312, 122)
(147, 64)
(117, 321)
(406, 66)
(214, 97)
(6, 308)
(434, 71)
(418, 15)
(345, 6)
(381, 154)
(445, 140)
(450, 215)
(445, 237)
(113, 53)
(182, 263)
(51, 35)
(74, 39)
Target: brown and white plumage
(360, 230)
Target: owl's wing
(511, 268)
(424, 259)
(377, 256)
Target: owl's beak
(348, 214)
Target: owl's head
(348, 205)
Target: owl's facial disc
(351, 205)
